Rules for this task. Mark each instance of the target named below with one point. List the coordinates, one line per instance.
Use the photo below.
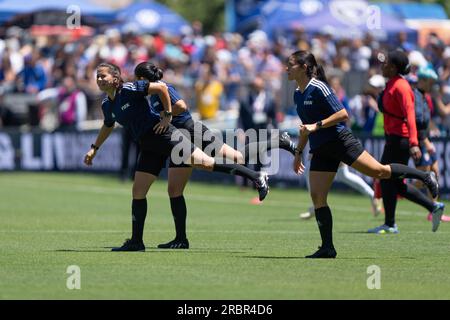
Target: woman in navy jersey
(199, 134)
(323, 120)
(126, 104)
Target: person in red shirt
(397, 105)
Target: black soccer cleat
(432, 184)
(262, 185)
(130, 245)
(286, 143)
(323, 253)
(175, 244)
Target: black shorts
(346, 148)
(396, 150)
(156, 148)
(202, 137)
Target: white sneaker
(377, 206)
(308, 214)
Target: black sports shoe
(286, 143)
(262, 185)
(432, 184)
(130, 245)
(323, 252)
(175, 244)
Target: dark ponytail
(148, 71)
(313, 69)
(320, 74)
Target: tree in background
(210, 12)
(444, 3)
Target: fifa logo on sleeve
(74, 280)
(374, 279)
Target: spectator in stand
(70, 105)
(208, 93)
(32, 78)
(364, 106)
(7, 74)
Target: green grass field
(238, 251)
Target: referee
(126, 104)
(179, 174)
(332, 143)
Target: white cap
(416, 58)
(377, 81)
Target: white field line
(297, 206)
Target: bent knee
(318, 198)
(139, 193)
(383, 172)
(239, 157)
(175, 191)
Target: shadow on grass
(356, 232)
(270, 257)
(338, 258)
(154, 249)
(79, 250)
(286, 220)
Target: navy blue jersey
(157, 106)
(130, 109)
(317, 103)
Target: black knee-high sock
(400, 171)
(179, 212)
(139, 212)
(259, 148)
(236, 169)
(413, 194)
(389, 191)
(325, 223)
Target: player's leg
(280, 141)
(178, 178)
(232, 154)
(310, 213)
(181, 150)
(198, 159)
(320, 185)
(147, 171)
(322, 172)
(367, 165)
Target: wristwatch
(319, 124)
(167, 113)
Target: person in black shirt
(126, 104)
(331, 143)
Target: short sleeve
(328, 98)
(108, 121)
(334, 103)
(174, 98)
(139, 88)
(174, 95)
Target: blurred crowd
(215, 73)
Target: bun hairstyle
(148, 71)
(400, 60)
(313, 69)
